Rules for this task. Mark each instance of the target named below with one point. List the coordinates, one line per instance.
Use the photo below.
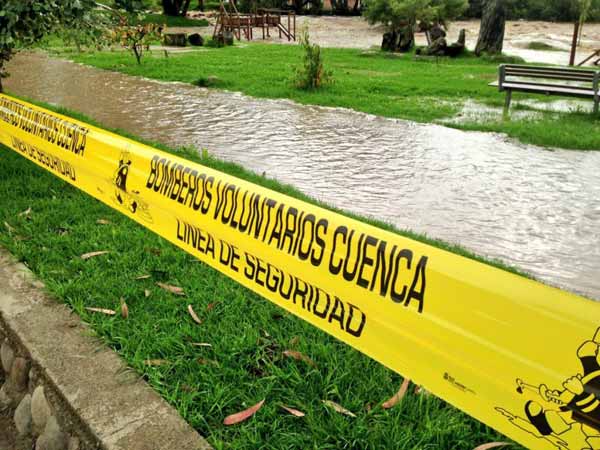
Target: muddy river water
(533, 208)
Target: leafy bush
(136, 38)
(209, 81)
(312, 74)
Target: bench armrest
(501, 76)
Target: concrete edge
(102, 404)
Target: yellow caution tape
(516, 354)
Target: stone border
(65, 389)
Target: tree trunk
(402, 40)
(491, 32)
(170, 8)
(1, 88)
(185, 7)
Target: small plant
(136, 38)
(312, 74)
(209, 81)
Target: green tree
(92, 30)
(24, 22)
(401, 17)
(136, 38)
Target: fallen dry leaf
(108, 312)
(294, 341)
(124, 309)
(155, 362)
(172, 289)
(147, 293)
(201, 344)
(8, 227)
(299, 356)
(103, 222)
(26, 212)
(491, 445)
(293, 412)
(243, 415)
(194, 315)
(143, 277)
(397, 396)
(338, 408)
(93, 254)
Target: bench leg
(596, 101)
(507, 101)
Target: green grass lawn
(376, 83)
(171, 21)
(48, 224)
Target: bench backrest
(578, 78)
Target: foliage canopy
(397, 14)
(24, 22)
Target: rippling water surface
(532, 208)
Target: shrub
(312, 74)
(136, 38)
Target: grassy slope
(171, 21)
(248, 334)
(401, 87)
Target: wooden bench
(563, 81)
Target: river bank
(398, 86)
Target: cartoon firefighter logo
(567, 415)
(126, 198)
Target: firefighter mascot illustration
(127, 198)
(573, 409)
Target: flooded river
(533, 208)
(355, 32)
